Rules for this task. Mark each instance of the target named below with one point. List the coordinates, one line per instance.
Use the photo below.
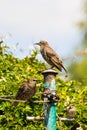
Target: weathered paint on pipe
(49, 108)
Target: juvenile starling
(50, 55)
(70, 111)
(26, 90)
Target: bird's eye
(34, 80)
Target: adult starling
(50, 55)
(26, 90)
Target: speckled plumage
(50, 55)
(26, 90)
(70, 111)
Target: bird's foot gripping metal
(51, 96)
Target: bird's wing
(58, 63)
(50, 51)
(55, 59)
(21, 91)
(53, 56)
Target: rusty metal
(49, 108)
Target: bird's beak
(36, 44)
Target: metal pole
(49, 108)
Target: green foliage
(78, 70)
(72, 92)
(13, 72)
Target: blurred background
(63, 23)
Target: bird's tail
(60, 68)
(65, 69)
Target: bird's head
(42, 43)
(32, 81)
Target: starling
(50, 55)
(26, 90)
(70, 111)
